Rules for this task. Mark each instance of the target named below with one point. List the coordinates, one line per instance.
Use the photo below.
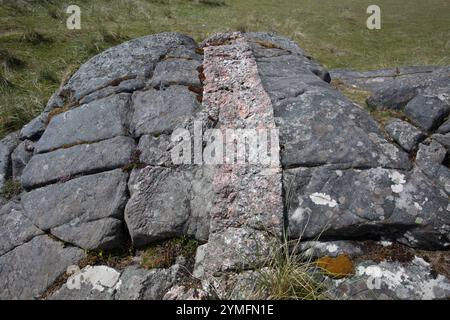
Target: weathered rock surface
(15, 227)
(27, 271)
(162, 111)
(427, 112)
(405, 134)
(80, 159)
(97, 168)
(86, 211)
(392, 280)
(105, 283)
(99, 120)
(350, 203)
(167, 202)
(7, 145)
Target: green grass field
(37, 51)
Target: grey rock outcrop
(98, 170)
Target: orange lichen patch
(338, 267)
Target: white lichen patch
(399, 180)
(323, 199)
(406, 281)
(385, 243)
(98, 277)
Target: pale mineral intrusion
(247, 213)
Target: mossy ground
(164, 254)
(38, 51)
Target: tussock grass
(10, 61)
(34, 37)
(290, 276)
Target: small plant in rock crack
(163, 255)
(11, 189)
(289, 276)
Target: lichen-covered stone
(405, 134)
(413, 280)
(427, 112)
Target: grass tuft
(288, 276)
(10, 61)
(34, 37)
(11, 188)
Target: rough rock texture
(20, 158)
(99, 120)
(86, 211)
(392, 280)
(80, 159)
(27, 271)
(105, 283)
(15, 227)
(166, 203)
(99, 171)
(405, 134)
(7, 145)
(240, 226)
(427, 112)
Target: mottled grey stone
(143, 284)
(28, 270)
(321, 127)
(20, 157)
(444, 128)
(427, 112)
(155, 150)
(80, 159)
(168, 202)
(99, 120)
(430, 160)
(7, 145)
(176, 71)
(413, 280)
(161, 111)
(132, 59)
(85, 211)
(443, 139)
(15, 227)
(405, 134)
(403, 206)
(35, 128)
(233, 250)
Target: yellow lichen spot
(338, 267)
